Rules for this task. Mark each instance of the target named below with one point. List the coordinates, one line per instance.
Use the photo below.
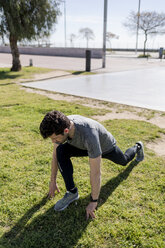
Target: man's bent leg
(64, 153)
(118, 157)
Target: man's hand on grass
(52, 188)
(91, 209)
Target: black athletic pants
(65, 152)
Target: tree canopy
(87, 33)
(110, 36)
(26, 19)
(150, 23)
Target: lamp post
(104, 32)
(64, 1)
(137, 32)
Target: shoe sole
(61, 209)
(142, 147)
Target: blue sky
(89, 13)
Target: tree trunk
(16, 65)
(145, 41)
(87, 42)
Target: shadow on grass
(5, 84)
(7, 75)
(78, 72)
(58, 229)
(83, 73)
(111, 185)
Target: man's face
(60, 138)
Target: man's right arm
(54, 169)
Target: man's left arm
(95, 180)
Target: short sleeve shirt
(90, 135)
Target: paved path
(142, 88)
(115, 62)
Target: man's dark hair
(54, 122)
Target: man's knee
(63, 160)
(123, 163)
(61, 152)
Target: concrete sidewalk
(142, 88)
(128, 80)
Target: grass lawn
(131, 208)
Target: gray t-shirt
(90, 135)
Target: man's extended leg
(118, 157)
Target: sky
(89, 13)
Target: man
(78, 136)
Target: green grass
(27, 72)
(131, 207)
(144, 56)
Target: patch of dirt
(116, 111)
(47, 75)
(156, 120)
(158, 146)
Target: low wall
(133, 50)
(56, 51)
